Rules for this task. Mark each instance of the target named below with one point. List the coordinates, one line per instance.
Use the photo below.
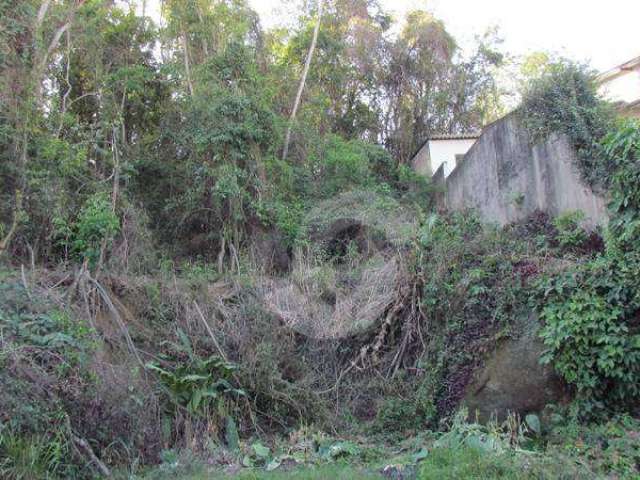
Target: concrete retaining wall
(505, 178)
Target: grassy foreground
(568, 450)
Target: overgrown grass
(474, 464)
(71, 357)
(323, 472)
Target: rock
(513, 380)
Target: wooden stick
(83, 445)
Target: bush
(570, 234)
(590, 313)
(96, 224)
(475, 282)
(564, 100)
(622, 149)
(590, 344)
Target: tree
(430, 89)
(31, 45)
(305, 72)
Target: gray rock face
(513, 380)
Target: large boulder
(513, 379)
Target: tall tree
(31, 45)
(303, 80)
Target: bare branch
(42, 12)
(303, 80)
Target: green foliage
(396, 415)
(286, 215)
(40, 327)
(339, 165)
(469, 463)
(30, 458)
(622, 149)
(474, 281)
(95, 226)
(570, 235)
(590, 345)
(191, 139)
(414, 188)
(321, 472)
(610, 447)
(200, 385)
(564, 100)
(39, 346)
(590, 313)
(406, 406)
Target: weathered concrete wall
(439, 182)
(505, 178)
(421, 161)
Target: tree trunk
(303, 80)
(17, 210)
(187, 68)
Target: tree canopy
(180, 125)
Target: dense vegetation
(107, 119)
(184, 296)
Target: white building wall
(445, 151)
(625, 88)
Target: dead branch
(84, 446)
(116, 316)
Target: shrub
(622, 149)
(590, 344)
(475, 282)
(96, 224)
(590, 313)
(199, 385)
(342, 164)
(564, 100)
(570, 234)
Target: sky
(604, 33)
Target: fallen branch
(116, 315)
(84, 446)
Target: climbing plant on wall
(564, 99)
(591, 313)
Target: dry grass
(315, 302)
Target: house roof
(619, 70)
(455, 136)
(448, 136)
